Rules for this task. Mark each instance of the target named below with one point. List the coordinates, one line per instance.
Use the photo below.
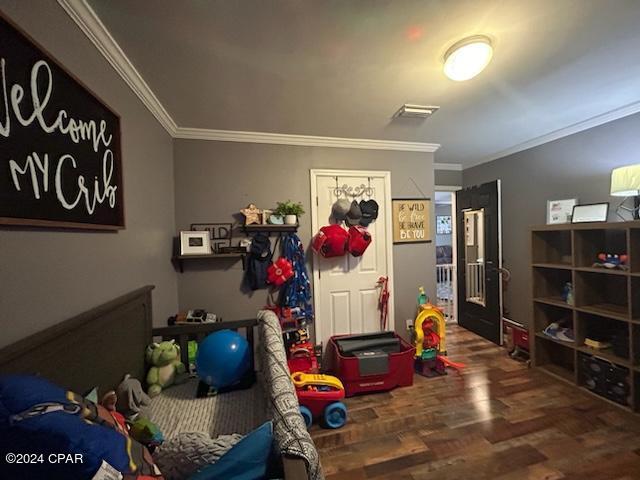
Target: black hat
(354, 214)
(369, 209)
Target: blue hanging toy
(296, 293)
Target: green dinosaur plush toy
(166, 367)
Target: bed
(80, 353)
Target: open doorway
(446, 290)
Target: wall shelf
(606, 301)
(180, 259)
(255, 228)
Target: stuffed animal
(132, 401)
(166, 367)
(146, 432)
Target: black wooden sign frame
(60, 144)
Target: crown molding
(448, 166)
(91, 25)
(84, 16)
(303, 140)
(592, 122)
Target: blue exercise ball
(222, 358)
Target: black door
(478, 259)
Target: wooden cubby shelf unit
(606, 302)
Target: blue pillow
(247, 460)
(59, 431)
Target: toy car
(319, 397)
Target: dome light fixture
(468, 57)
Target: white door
(345, 288)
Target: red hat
(330, 241)
(359, 240)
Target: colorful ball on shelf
(222, 359)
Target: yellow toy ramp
(435, 314)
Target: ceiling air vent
(410, 110)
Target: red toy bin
(347, 369)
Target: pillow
(38, 417)
(247, 460)
(183, 455)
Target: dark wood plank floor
(497, 420)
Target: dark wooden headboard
(95, 348)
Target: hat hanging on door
(354, 214)
(359, 240)
(340, 209)
(330, 241)
(369, 209)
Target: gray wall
(577, 166)
(47, 276)
(213, 180)
(449, 178)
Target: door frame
(454, 239)
(315, 226)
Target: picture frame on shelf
(195, 242)
(592, 212)
(560, 211)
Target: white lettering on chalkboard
(37, 167)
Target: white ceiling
(341, 68)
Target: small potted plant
(290, 211)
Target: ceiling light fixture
(415, 111)
(468, 57)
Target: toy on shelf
(567, 293)
(428, 334)
(320, 397)
(610, 260)
(193, 316)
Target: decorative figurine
(252, 214)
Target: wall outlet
(409, 322)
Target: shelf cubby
(555, 358)
(549, 284)
(602, 294)
(544, 314)
(635, 299)
(589, 243)
(552, 247)
(604, 329)
(635, 345)
(634, 253)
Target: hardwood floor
(497, 420)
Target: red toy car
(319, 396)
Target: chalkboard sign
(411, 220)
(60, 157)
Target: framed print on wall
(411, 220)
(60, 156)
(443, 225)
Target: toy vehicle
(319, 397)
